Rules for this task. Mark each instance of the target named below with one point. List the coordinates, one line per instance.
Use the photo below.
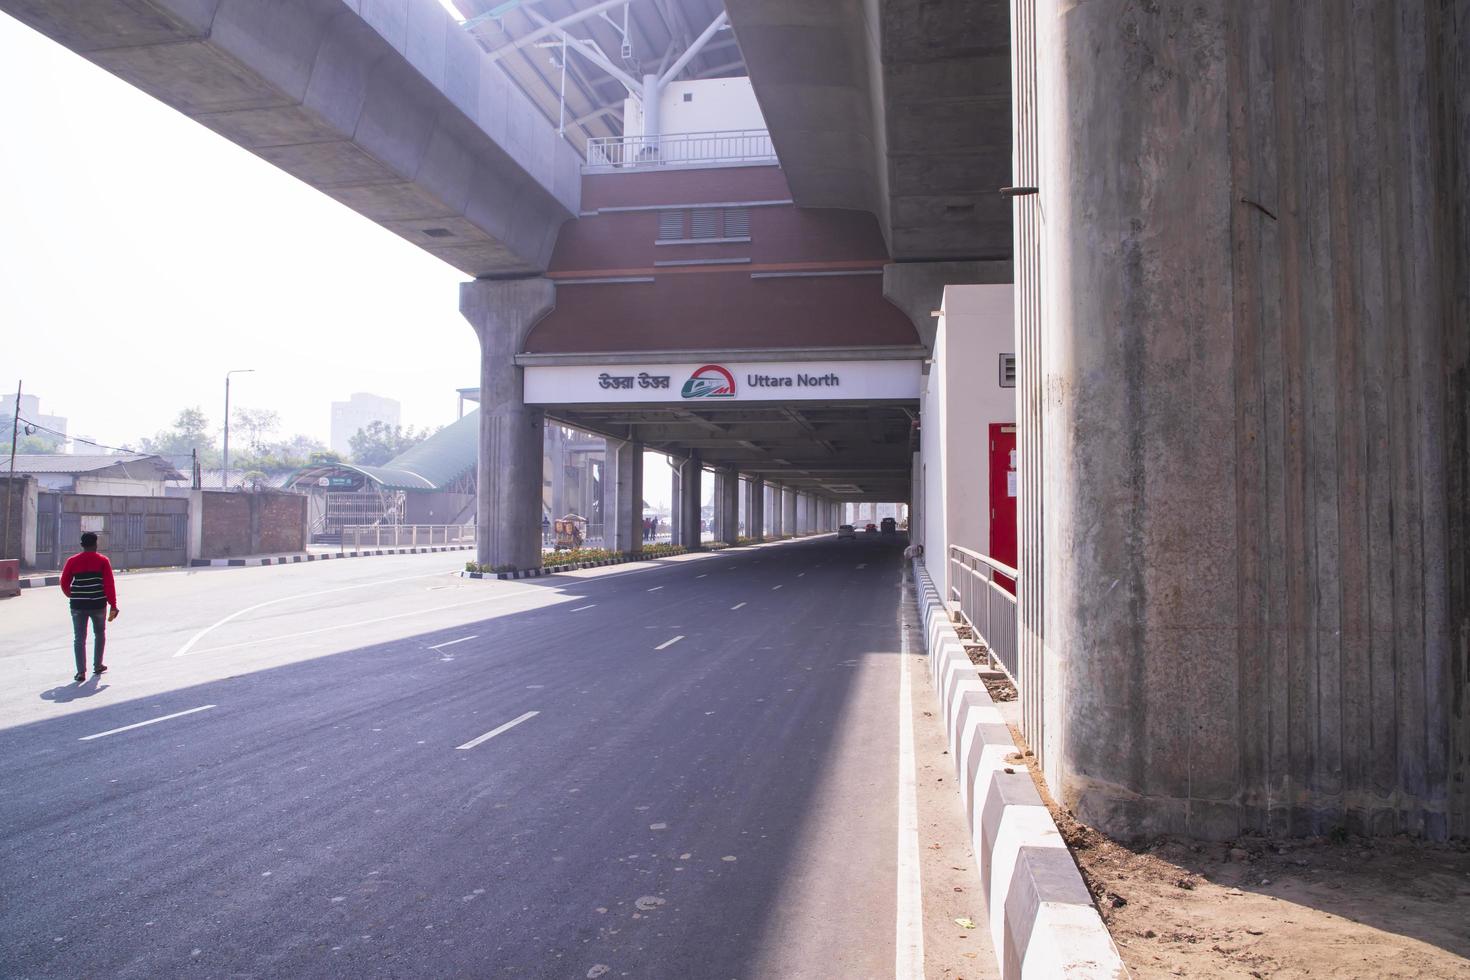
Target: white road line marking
(584, 608)
(702, 575)
(655, 588)
(150, 721)
(669, 643)
(496, 731)
(800, 574)
(863, 565)
(290, 598)
(775, 587)
(737, 606)
(908, 957)
(450, 643)
(362, 622)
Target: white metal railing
(986, 605)
(405, 535)
(609, 153)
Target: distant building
(358, 412)
(30, 411)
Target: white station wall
(961, 398)
(700, 106)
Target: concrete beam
(385, 105)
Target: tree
(31, 444)
(379, 442)
(282, 456)
(257, 423)
(190, 431)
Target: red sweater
(86, 579)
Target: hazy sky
(142, 256)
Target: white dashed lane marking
(496, 731)
(736, 606)
(655, 588)
(150, 721)
(668, 643)
(584, 608)
(450, 643)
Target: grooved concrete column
(757, 512)
(1251, 398)
(717, 510)
(729, 505)
(627, 517)
(676, 497)
(690, 476)
(774, 510)
(788, 512)
(508, 504)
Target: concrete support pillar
(788, 512)
(774, 510)
(626, 532)
(728, 503)
(757, 519)
(508, 504)
(717, 511)
(690, 476)
(1244, 595)
(676, 497)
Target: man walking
(86, 579)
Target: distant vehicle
(846, 531)
(890, 526)
(871, 529)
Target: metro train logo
(710, 381)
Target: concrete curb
(1041, 916)
(41, 581)
(319, 556)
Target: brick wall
(235, 524)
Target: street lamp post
(225, 481)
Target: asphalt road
(376, 768)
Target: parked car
(890, 526)
(846, 531)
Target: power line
(46, 428)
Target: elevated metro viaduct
(1242, 287)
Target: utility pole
(10, 483)
(225, 480)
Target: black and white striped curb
(1042, 919)
(571, 567)
(40, 581)
(319, 556)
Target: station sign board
(726, 381)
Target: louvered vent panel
(670, 225)
(737, 222)
(1008, 370)
(706, 223)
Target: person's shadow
(74, 691)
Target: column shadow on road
(539, 853)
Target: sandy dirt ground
(1319, 907)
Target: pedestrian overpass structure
(1231, 261)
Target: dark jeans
(79, 619)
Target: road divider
(1043, 922)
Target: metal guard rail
(606, 153)
(405, 535)
(987, 607)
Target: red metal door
(1003, 497)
